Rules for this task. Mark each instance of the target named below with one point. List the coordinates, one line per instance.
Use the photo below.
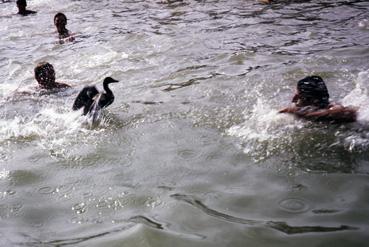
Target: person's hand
(291, 109)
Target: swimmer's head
(60, 21)
(22, 4)
(45, 75)
(311, 91)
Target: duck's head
(109, 80)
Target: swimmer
(60, 22)
(45, 76)
(22, 4)
(311, 102)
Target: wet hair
(60, 15)
(45, 73)
(21, 2)
(312, 89)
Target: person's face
(300, 101)
(60, 22)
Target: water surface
(192, 152)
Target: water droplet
(101, 204)
(9, 192)
(80, 208)
(152, 203)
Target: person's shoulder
(61, 85)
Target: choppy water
(192, 152)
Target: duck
(92, 101)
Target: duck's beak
(113, 80)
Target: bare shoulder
(61, 85)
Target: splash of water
(264, 130)
(359, 97)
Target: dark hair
(21, 2)
(41, 67)
(313, 89)
(61, 15)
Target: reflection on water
(192, 152)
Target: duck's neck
(107, 89)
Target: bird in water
(92, 101)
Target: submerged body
(312, 102)
(92, 101)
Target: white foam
(364, 24)
(4, 174)
(264, 124)
(359, 97)
(265, 130)
(60, 132)
(46, 123)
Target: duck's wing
(85, 98)
(94, 111)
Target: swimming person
(311, 102)
(22, 4)
(60, 22)
(92, 101)
(45, 76)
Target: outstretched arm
(336, 113)
(291, 109)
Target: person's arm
(299, 111)
(337, 113)
(291, 109)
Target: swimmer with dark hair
(311, 102)
(22, 4)
(45, 76)
(60, 22)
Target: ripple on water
(46, 190)
(188, 154)
(10, 210)
(293, 205)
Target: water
(192, 152)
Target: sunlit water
(192, 152)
